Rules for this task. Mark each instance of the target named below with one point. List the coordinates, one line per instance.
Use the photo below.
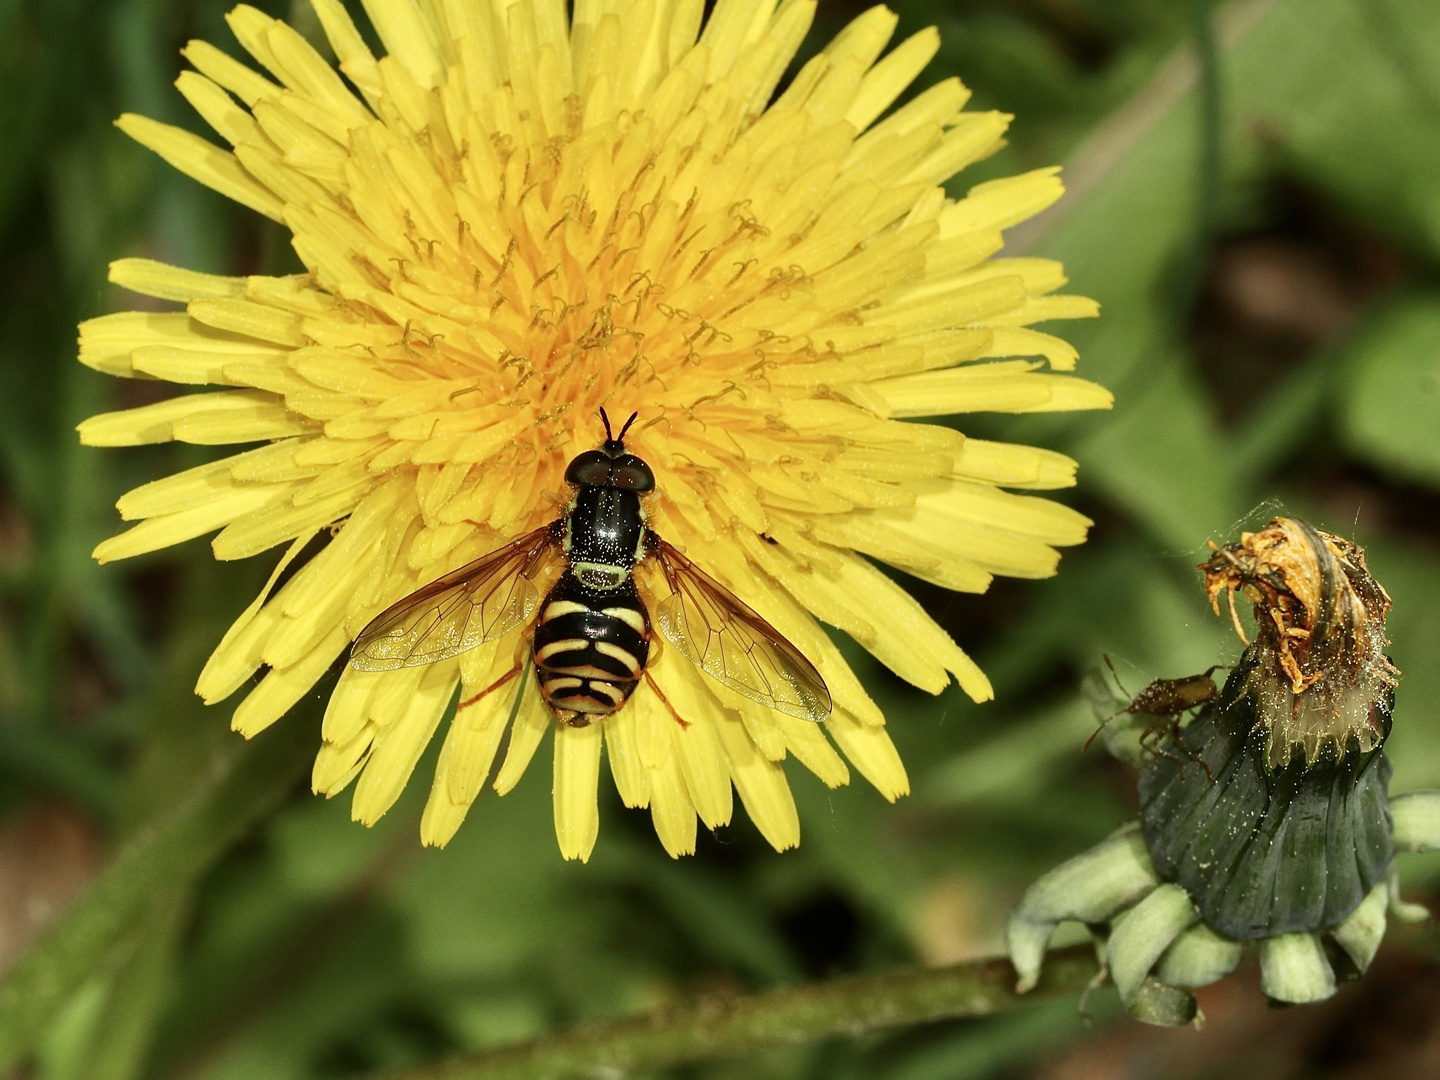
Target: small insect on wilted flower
(1267, 817)
(515, 219)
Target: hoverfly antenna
(616, 443)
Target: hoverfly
(592, 638)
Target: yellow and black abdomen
(591, 645)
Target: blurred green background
(1254, 200)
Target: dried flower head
(517, 217)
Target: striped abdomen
(590, 648)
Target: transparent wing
(728, 641)
(479, 602)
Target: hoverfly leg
(496, 685)
(665, 700)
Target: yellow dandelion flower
(517, 217)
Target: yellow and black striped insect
(592, 639)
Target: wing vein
(455, 613)
(733, 644)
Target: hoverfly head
(611, 465)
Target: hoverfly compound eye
(591, 467)
(632, 474)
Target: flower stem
(720, 1027)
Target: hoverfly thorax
(605, 532)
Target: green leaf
(1163, 459)
(1389, 401)
(1016, 765)
(1128, 227)
(1411, 575)
(109, 1038)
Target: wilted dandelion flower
(514, 219)
(1267, 818)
